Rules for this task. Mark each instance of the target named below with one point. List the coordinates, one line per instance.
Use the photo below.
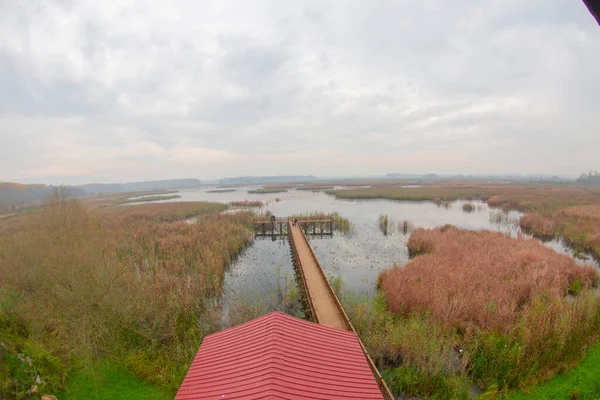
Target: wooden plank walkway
(323, 301)
(324, 305)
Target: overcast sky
(122, 90)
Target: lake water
(263, 276)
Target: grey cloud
(22, 92)
(370, 79)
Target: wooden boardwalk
(324, 303)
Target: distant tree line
(591, 178)
(14, 196)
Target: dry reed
(481, 278)
(130, 282)
(247, 203)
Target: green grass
(267, 190)
(582, 382)
(108, 381)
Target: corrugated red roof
(279, 357)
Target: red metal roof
(279, 357)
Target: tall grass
(480, 277)
(538, 225)
(131, 283)
(267, 190)
(315, 188)
(416, 354)
(385, 224)
(511, 313)
(160, 212)
(340, 223)
(247, 203)
(406, 226)
(148, 199)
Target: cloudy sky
(123, 90)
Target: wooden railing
(286, 220)
(385, 390)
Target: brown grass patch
(315, 188)
(280, 186)
(479, 278)
(247, 203)
(538, 225)
(495, 201)
(592, 212)
(162, 211)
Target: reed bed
(480, 278)
(477, 309)
(538, 226)
(247, 203)
(315, 188)
(131, 283)
(340, 223)
(149, 199)
(221, 191)
(162, 212)
(586, 212)
(267, 190)
(386, 224)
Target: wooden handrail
(286, 220)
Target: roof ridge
(278, 356)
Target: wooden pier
(279, 227)
(322, 303)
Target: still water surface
(263, 273)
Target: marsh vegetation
(131, 285)
(247, 203)
(177, 285)
(267, 190)
(221, 191)
(478, 309)
(148, 199)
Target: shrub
(495, 201)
